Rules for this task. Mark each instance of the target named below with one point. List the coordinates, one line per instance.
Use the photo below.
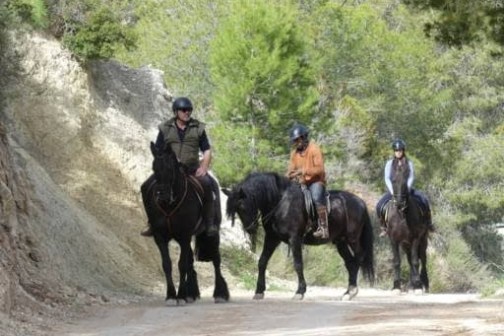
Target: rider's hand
(295, 173)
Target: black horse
(280, 205)
(172, 201)
(407, 229)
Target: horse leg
(352, 266)
(193, 292)
(192, 286)
(422, 253)
(297, 255)
(221, 291)
(396, 263)
(269, 246)
(413, 263)
(185, 265)
(162, 245)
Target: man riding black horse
(307, 167)
(400, 159)
(187, 137)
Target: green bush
(100, 36)
(31, 11)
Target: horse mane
(265, 189)
(401, 166)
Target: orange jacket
(310, 162)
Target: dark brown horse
(408, 231)
(172, 203)
(280, 205)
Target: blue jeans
(317, 190)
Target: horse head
(165, 166)
(240, 203)
(400, 186)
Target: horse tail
(367, 242)
(217, 201)
(147, 191)
(206, 247)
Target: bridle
(400, 201)
(164, 193)
(258, 218)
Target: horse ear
(226, 191)
(242, 194)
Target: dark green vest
(187, 151)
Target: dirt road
(372, 312)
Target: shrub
(31, 11)
(100, 36)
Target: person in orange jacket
(307, 167)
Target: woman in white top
(399, 147)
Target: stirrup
(321, 233)
(383, 232)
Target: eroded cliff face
(9, 192)
(72, 158)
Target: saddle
(310, 207)
(386, 206)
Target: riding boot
(322, 231)
(147, 232)
(209, 208)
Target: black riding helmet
(298, 131)
(398, 144)
(182, 103)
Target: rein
(258, 217)
(402, 205)
(168, 215)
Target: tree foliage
(31, 11)
(100, 35)
(262, 75)
(381, 60)
(473, 185)
(460, 22)
(175, 38)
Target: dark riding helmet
(182, 103)
(398, 144)
(298, 131)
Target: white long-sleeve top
(388, 173)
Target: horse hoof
(181, 302)
(298, 296)
(220, 300)
(190, 300)
(258, 296)
(170, 302)
(351, 292)
(396, 291)
(418, 291)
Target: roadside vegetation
(357, 73)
